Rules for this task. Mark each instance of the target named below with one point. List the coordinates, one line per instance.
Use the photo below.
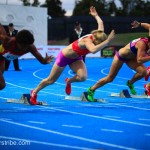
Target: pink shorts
(120, 58)
(62, 61)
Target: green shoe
(131, 87)
(90, 95)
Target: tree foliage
(109, 8)
(54, 8)
(103, 7)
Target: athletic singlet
(133, 43)
(10, 54)
(77, 49)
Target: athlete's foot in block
(33, 98)
(68, 87)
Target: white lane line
(110, 130)
(112, 116)
(69, 135)
(36, 122)
(71, 126)
(148, 134)
(144, 119)
(132, 107)
(29, 141)
(99, 117)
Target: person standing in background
(12, 32)
(76, 34)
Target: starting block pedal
(125, 93)
(25, 99)
(83, 98)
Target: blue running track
(118, 124)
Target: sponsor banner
(52, 50)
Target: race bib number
(10, 56)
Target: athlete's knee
(81, 78)
(143, 73)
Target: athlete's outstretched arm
(95, 48)
(136, 24)
(94, 13)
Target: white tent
(30, 18)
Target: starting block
(83, 98)
(25, 99)
(125, 94)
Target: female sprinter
(134, 55)
(72, 56)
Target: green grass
(120, 39)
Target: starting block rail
(83, 98)
(25, 99)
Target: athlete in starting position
(72, 56)
(134, 54)
(14, 47)
(137, 24)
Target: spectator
(76, 34)
(12, 32)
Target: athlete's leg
(140, 73)
(139, 68)
(115, 67)
(81, 72)
(53, 76)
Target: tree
(27, 3)
(82, 7)
(54, 8)
(134, 8)
(139, 6)
(35, 3)
(112, 8)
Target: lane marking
(68, 135)
(36, 122)
(110, 130)
(71, 126)
(99, 117)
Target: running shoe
(33, 98)
(68, 87)
(147, 90)
(131, 87)
(90, 95)
(148, 74)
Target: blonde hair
(99, 36)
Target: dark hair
(148, 38)
(25, 37)
(10, 25)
